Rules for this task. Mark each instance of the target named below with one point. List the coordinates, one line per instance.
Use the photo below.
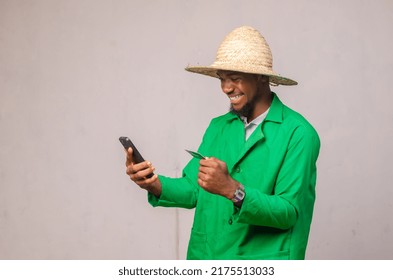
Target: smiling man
(249, 94)
(254, 194)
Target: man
(254, 194)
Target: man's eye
(235, 79)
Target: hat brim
(211, 71)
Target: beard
(248, 108)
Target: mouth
(234, 98)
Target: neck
(263, 103)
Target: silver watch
(239, 194)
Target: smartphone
(127, 143)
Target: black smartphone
(127, 143)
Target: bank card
(196, 154)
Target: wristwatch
(239, 194)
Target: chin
(238, 112)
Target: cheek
(247, 90)
(250, 89)
(246, 85)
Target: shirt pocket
(197, 247)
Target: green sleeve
(294, 190)
(183, 192)
(176, 192)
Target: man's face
(242, 91)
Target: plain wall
(75, 75)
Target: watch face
(239, 194)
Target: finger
(147, 181)
(142, 165)
(138, 174)
(130, 170)
(204, 163)
(205, 170)
(209, 168)
(142, 169)
(209, 162)
(143, 174)
(202, 169)
(201, 183)
(129, 160)
(204, 177)
(135, 168)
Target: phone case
(127, 143)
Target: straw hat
(244, 50)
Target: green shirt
(276, 165)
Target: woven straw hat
(244, 50)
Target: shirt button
(238, 169)
(230, 221)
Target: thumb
(129, 156)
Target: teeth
(235, 97)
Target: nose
(227, 86)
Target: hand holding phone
(137, 157)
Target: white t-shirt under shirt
(251, 126)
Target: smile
(235, 97)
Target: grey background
(76, 75)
